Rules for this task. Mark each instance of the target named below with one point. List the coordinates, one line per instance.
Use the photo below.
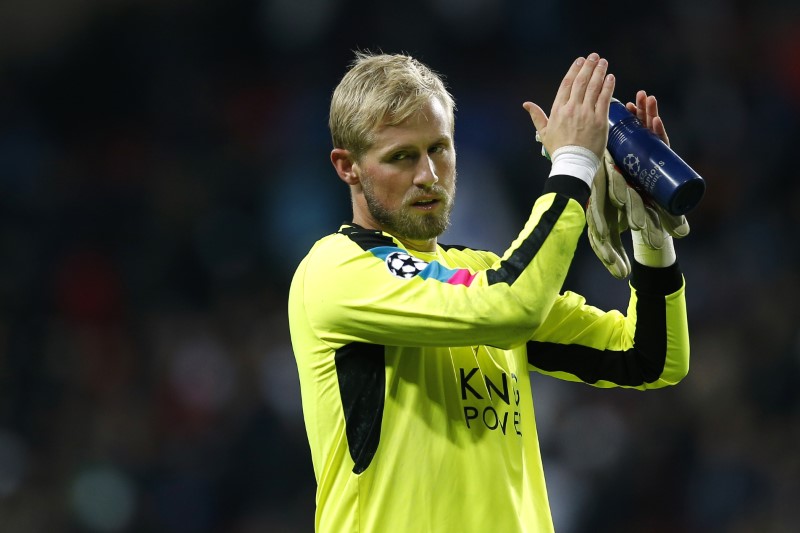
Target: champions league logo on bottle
(645, 178)
(631, 164)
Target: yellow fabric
(457, 448)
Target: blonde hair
(381, 89)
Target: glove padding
(615, 206)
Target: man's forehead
(432, 117)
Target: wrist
(575, 161)
(653, 257)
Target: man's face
(408, 176)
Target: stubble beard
(407, 223)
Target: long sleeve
(363, 286)
(648, 347)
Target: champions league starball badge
(403, 265)
(631, 163)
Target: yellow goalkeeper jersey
(414, 369)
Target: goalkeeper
(414, 355)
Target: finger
(595, 220)
(578, 91)
(635, 209)
(596, 82)
(637, 108)
(606, 93)
(653, 234)
(650, 111)
(655, 123)
(676, 225)
(622, 221)
(565, 89)
(597, 207)
(660, 130)
(651, 106)
(605, 253)
(680, 229)
(624, 264)
(617, 189)
(612, 255)
(641, 105)
(538, 117)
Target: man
(414, 356)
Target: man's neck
(424, 245)
(419, 246)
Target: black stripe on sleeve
(641, 364)
(511, 268)
(569, 186)
(360, 369)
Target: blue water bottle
(649, 165)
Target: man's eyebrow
(407, 146)
(396, 147)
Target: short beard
(406, 224)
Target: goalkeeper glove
(613, 207)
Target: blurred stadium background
(164, 166)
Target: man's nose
(426, 173)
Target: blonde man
(413, 355)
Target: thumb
(538, 116)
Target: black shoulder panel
(367, 239)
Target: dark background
(164, 166)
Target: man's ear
(345, 165)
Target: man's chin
(410, 223)
(429, 227)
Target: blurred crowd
(164, 167)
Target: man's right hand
(579, 116)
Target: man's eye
(438, 149)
